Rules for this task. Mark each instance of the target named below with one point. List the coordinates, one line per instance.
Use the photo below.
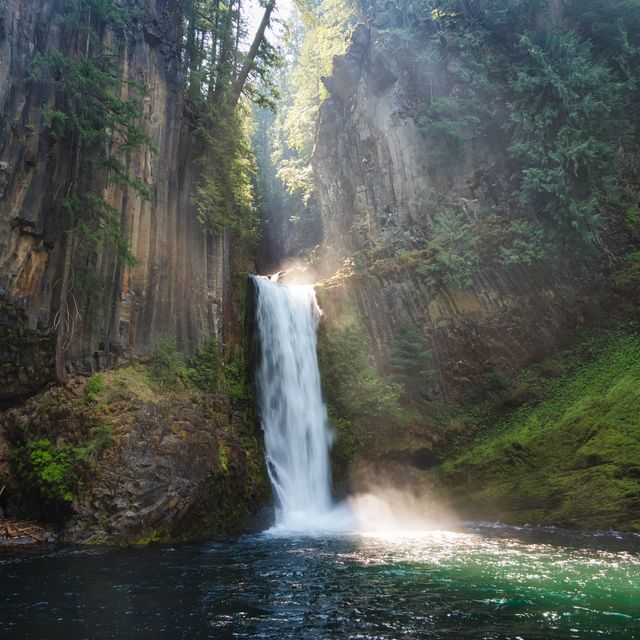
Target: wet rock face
(180, 286)
(174, 469)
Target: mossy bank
(571, 458)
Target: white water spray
(296, 430)
(294, 418)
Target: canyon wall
(180, 283)
(380, 188)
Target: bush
(235, 378)
(204, 368)
(352, 384)
(167, 363)
(454, 249)
(412, 363)
(51, 472)
(93, 387)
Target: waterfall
(294, 417)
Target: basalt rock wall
(180, 284)
(376, 181)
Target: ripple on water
(477, 583)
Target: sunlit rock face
(179, 286)
(376, 181)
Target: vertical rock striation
(376, 181)
(180, 284)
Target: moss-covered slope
(572, 459)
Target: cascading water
(294, 417)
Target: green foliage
(441, 126)
(224, 197)
(93, 387)
(351, 383)
(236, 384)
(213, 56)
(565, 102)
(494, 388)
(454, 248)
(628, 275)
(310, 50)
(556, 94)
(51, 471)
(223, 459)
(632, 216)
(204, 371)
(92, 108)
(412, 364)
(204, 368)
(167, 364)
(525, 243)
(103, 128)
(363, 405)
(81, 15)
(102, 438)
(545, 462)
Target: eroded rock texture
(141, 468)
(181, 282)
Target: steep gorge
(448, 298)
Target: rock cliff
(180, 284)
(416, 280)
(115, 460)
(381, 186)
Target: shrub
(93, 387)
(412, 364)
(454, 249)
(204, 368)
(351, 382)
(167, 363)
(49, 471)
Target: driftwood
(11, 530)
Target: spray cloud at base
(298, 436)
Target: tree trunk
(226, 45)
(64, 315)
(215, 20)
(64, 326)
(238, 85)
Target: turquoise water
(479, 582)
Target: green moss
(204, 370)
(632, 217)
(152, 538)
(352, 384)
(223, 459)
(572, 459)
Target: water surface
(497, 583)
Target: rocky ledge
(113, 460)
